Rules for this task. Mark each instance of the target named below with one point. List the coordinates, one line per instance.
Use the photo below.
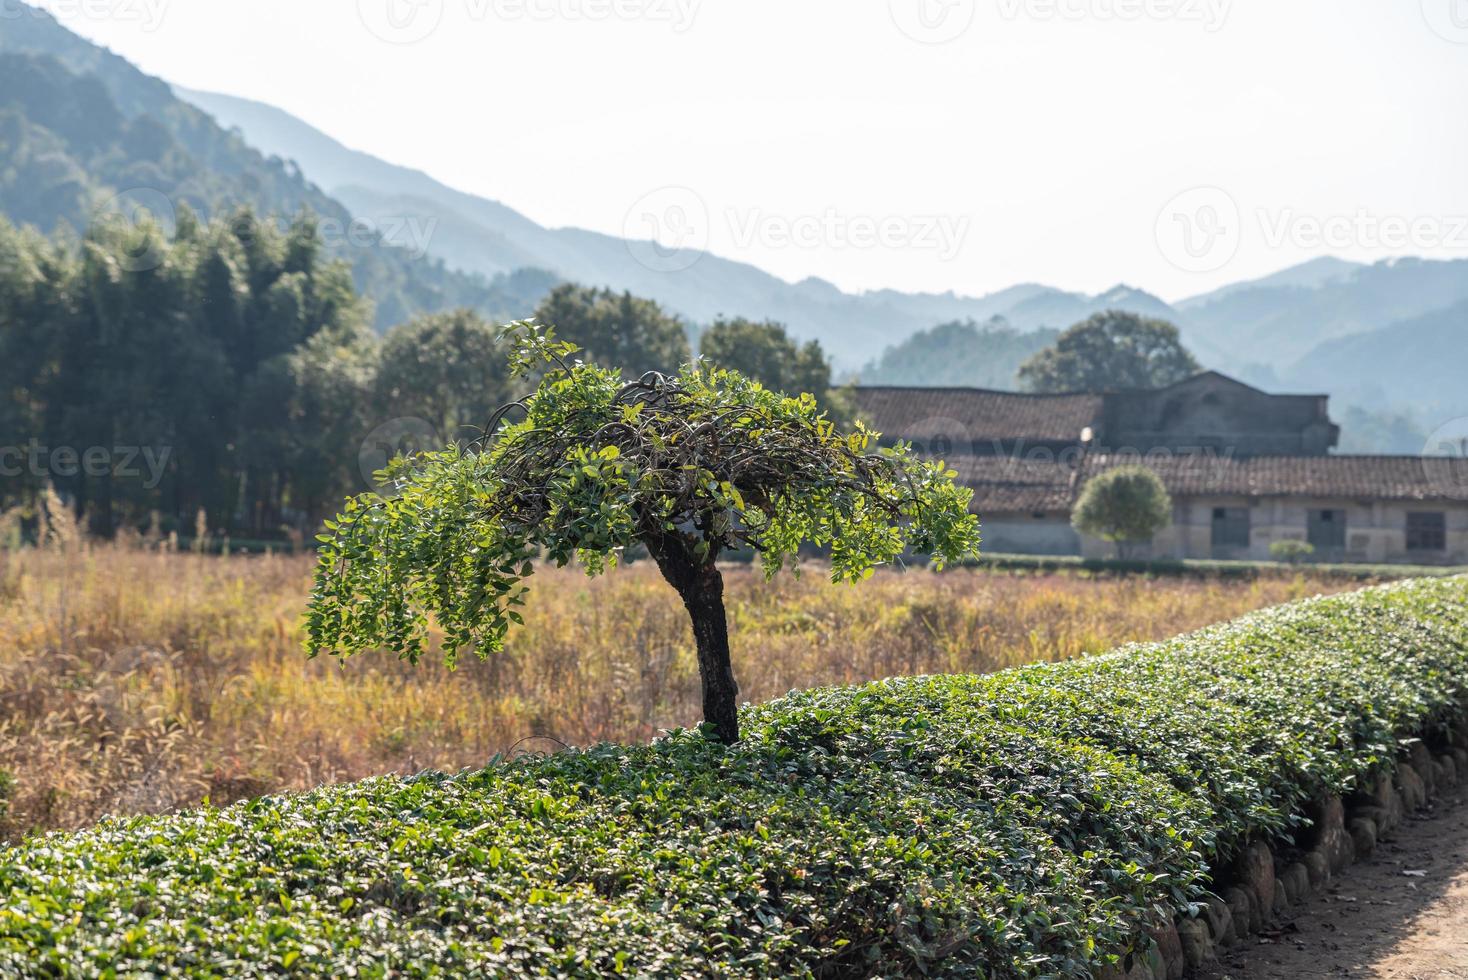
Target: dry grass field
(141, 680)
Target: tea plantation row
(1022, 824)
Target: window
(1230, 527)
(1327, 530)
(1427, 531)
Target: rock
(1396, 812)
(1376, 814)
(1220, 921)
(1196, 941)
(1339, 850)
(1373, 792)
(1460, 756)
(1141, 970)
(1248, 916)
(1281, 903)
(1331, 838)
(1381, 795)
(1447, 772)
(1168, 949)
(1363, 837)
(1413, 789)
(1296, 883)
(1319, 869)
(1420, 759)
(1254, 869)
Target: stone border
(1264, 886)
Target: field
(137, 681)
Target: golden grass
(141, 681)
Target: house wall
(1027, 534)
(1376, 531)
(1215, 412)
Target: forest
(228, 377)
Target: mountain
(480, 235)
(1418, 362)
(1306, 275)
(1275, 322)
(1256, 329)
(83, 132)
(1053, 308)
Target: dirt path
(1402, 915)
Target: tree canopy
(617, 330)
(688, 465)
(1127, 505)
(1111, 351)
(445, 368)
(960, 354)
(201, 369)
(765, 351)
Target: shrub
(1020, 824)
(1291, 550)
(1127, 505)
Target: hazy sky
(915, 144)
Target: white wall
(1024, 534)
(1375, 531)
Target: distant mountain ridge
(1280, 323)
(1426, 355)
(1259, 329)
(481, 235)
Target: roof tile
(976, 415)
(1006, 484)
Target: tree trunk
(701, 588)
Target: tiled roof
(1004, 484)
(977, 415)
(1367, 477)
(1007, 485)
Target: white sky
(1052, 133)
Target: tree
(617, 330)
(1291, 551)
(960, 354)
(1111, 351)
(445, 368)
(309, 409)
(686, 465)
(229, 366)
(1126, 506)
(765, 352)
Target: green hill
(959, 354)
(83, 132)
(1423, 356)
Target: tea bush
(1015, 825)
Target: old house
(1245, 469)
